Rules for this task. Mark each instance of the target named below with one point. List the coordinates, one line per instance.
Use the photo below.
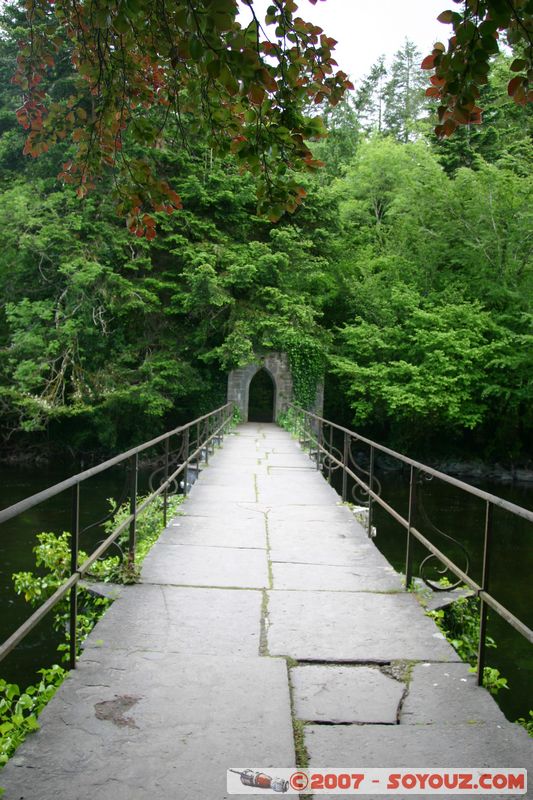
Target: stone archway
(239, 380)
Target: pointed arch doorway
(261, 397)
(277, 367)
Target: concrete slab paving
(346, 694)
(335, 553)
(245, 568)
(151, 725)
(209, 531)
(490, 745)
(302, 489)
(217, 476)
(332, 513)
(181, 620)
(335, 578)
(448, 695)
(353, 626)
(329, 527)
(217, 495)
(278, 462)
(195, 506)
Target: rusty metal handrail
(316, 438)
(207, 429)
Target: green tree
(505, 137)
(404, 94)
(370, 97)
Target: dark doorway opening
(261, 398)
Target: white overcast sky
(366, 29)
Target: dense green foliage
(407, 272)
(19, 709)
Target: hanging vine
(307, 361)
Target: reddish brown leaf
(428, 62)
(446, 17)
(256, 95)
(513, 85)
(449, 127)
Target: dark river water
(17, 540)
(452, 511)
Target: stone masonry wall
(277, 365)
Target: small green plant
(19, 710)
(459, 622)
(236, 417)
(492, 680)
(527, 724)
(52, 554)
(291, 421)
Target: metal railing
(184, 448)
(319, 435)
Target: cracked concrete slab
(206, 566)
(353, 626)
(335, 578)
(181, 619)
(302, 488)
(212, 531)
(448, 694)
(224, 478)
(419, 745)
(225, 512)
(189, 721)
(281, 461)
(345, 694)
(240, 492)
(318, 530)
(333, 513)
(213, 538)
(333, 552)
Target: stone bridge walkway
(264, 604)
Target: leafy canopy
(145, 66)
(461, 69)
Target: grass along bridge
(266, 631)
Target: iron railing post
(207, 442)
(410, 518)
(186, 462)
(330, 470)
(198, 450)
(487, 546)
(134, 466)
(165, 493)
(370, 486)
(319, 437)
(74, 545)
(304, 429)
(345, 457)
